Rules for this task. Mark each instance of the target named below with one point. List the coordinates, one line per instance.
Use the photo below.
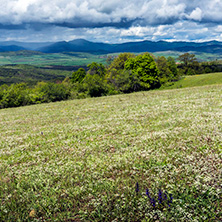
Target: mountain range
(82, 45)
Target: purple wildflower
(160, 198)
(165, 196)
(137, 187)
(153, 202)
(148, 193)
(171, 198)
(168, 203)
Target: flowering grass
(147, 156)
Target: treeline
(123, 74)
(190, 66)
(21, 94)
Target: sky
(111, 21)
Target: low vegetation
(145, 156)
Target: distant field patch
(40, 59)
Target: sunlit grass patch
(196, 80)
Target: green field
(79, 58)
(196, 80)
(201, 56)
(42, 59)
(80, 160)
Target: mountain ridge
(82, 45)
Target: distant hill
(26, 45)
(82, 45)
(78, 45)
(13, 48)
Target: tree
(115, 71)
(173, 67)
(78, 75)
(94, 85)
(190, 65)
(145, 68)
(109, 60)
(187, 59)
(126, 82)
(51, 92)
(119, 62)
(92, 82)
(165, 73)
(96, 69)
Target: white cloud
(171, 10)
(111, 20)
(196, 14)
(137, 31)
(152, 11)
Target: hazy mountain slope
(26, 45)
(10, 48)
(81, 45)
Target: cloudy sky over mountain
(111, 21)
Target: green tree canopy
(94, 85)
(109, 60)
(119, 62)
(96, 69)
(78, 75)
(145, 68)
(187, 59)
(190, 65)
(173, 67)
(115, 71)
(164, 72)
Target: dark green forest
(125, 73)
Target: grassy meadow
(147, 156)
(196, 80)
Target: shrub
(93, 85)
(51, 92)
(14, 96)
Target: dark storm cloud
(12, 27)
(124, 23)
